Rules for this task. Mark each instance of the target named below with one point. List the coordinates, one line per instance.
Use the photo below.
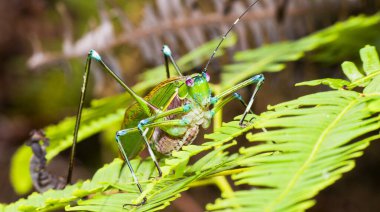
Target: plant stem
(218, 117)
(220, 181)
(224, 186)
(211, 179)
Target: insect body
(164, 123)
(171, 115)
(183, 125)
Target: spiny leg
(151, 153)
(118, 134)
(238, 96)
(168, 56)
(235, 96)
(219, 100)
(259, 81)
(124, 132)
(146, 106)
(241, 100)
(147, 123)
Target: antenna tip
(166, 50)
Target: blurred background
(43, 46)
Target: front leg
(219, 100)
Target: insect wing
(161, 96)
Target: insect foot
(155, 178)
(143, 202)
(245, 123)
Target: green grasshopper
(168, 118)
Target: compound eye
(190, 82)
(206, 76)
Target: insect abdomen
(166, 144)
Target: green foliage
(112, 186)
(109, 111)
(351, 35)
(313, 142)
(368, 77)
(335, 40)
(308, 144)
(102, 114)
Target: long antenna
(225, 35)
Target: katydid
(170, 116)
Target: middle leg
(145, 129)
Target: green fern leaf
(271, 58)
(309, 143)
(371, 70)
(288, 163)
(112, 186)
(312, 147)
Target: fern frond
(367, 77)
(309, 143)
(290, 165)
(313, 142)
(272, 58)
(109, 111)
(112, 186)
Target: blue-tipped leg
(168, 56)
(118, 134)
(93, 54)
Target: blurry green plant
(295, 160)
